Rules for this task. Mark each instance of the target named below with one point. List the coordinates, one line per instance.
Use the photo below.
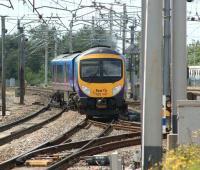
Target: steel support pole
(167, 49)
(21, 46)
(111, 26)
(152, 99)
(46, 57)
(132, 63)
(56, 44)
(179, 65)
(124, 29)
(93, 33)
(70, 37)
(3, 86)
(21, 66)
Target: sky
(29, 18)
(193, 27)
(23, 10)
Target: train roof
(97, 50)
(65, 57)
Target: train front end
(101, 83)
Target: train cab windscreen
(101, 70)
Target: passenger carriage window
(60, 74)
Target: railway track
(27, 125)
(121, 125)
(59, 152)
(22, 120)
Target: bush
(33, 78)
(183, 158)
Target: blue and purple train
(94, 81)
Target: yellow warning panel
(44, 162)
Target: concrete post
(152, 99)
(179, 66)
(114, 161)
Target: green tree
(35, 49)
(194, 53)
(85, 38)
(11, 56)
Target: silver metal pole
(152, 99)
(3, 86)
(179, 66)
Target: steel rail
(60, 139)
(105, 132)
(130, 123)
(71, 159)
(117, 126)
(74, 145)
(24, 119)
(11, 163)
(28, 130)
(65, 137)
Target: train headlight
(86, 90)
(116, 90)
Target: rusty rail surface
(24, 119)
(58, 144)
(118, 126)
(30, 129)
(60, 139)
(73, 158)
(130, 123)
(80, 146)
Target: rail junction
(59, 153)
